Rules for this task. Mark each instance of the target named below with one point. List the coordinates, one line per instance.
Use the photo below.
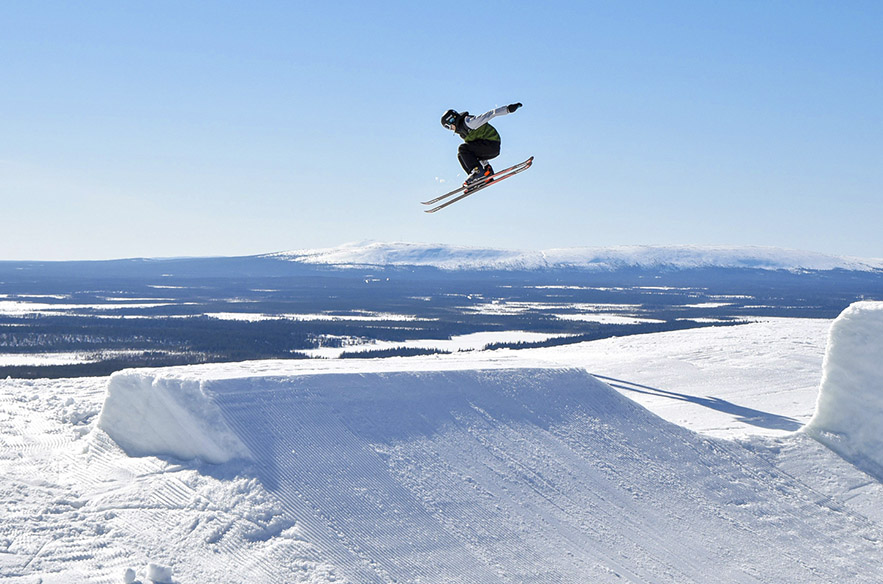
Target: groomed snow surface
(680, 460)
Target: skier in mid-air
(481, 141)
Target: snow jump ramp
(495, 475)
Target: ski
(494, 178)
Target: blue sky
(227, 128)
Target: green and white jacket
(472, 128)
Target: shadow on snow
(746, 415)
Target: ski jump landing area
(434, 470)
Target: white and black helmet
(449, 120)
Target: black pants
(470, 153)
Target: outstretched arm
(474, 122)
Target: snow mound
(159, 574)
(148, 414)
(449, 473)
(590, 258)
(849, 413)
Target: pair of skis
(465, 191)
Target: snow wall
(849, 413)
(150, 414)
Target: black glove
(514, 107)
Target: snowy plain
(678, 462)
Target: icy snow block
(151, 415)
(159, 574)
(849, 413)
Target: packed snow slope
(590, 258)
(451, 470)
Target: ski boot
(478, 177)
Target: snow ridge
(590, 258)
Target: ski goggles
(450, 121)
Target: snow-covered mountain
(590, 258)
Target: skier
(481, 142)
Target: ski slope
(512, 466)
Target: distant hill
(590, 258)
(452, 258)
